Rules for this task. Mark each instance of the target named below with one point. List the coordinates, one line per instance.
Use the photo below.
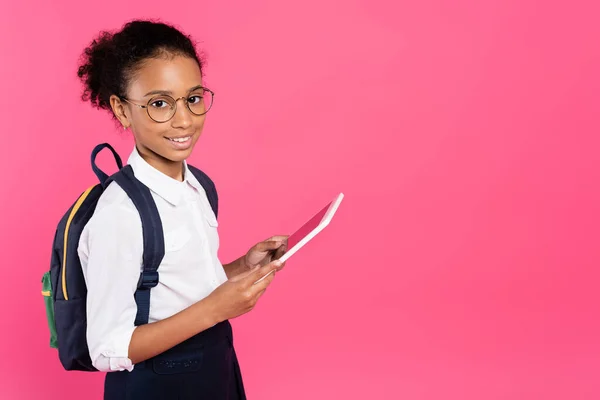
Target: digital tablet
(310, 229)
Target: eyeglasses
(162, 108)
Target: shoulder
(115, 225)
(114, 211)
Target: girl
(149, 76)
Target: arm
(152, 339)
(235, 297)
(235, 268)
(111, 250)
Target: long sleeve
(110, 250)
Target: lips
(182, 139)
(180, 142)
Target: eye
(195, 99)
(160, 103)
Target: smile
(180, 140)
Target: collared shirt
(111, 249)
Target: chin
(178, 151)
(177, 155)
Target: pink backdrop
(463, 263)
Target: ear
(119, 109)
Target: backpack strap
(102, 176)
(209, 187)
(154, 244)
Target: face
(164, 145)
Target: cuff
(115, 353)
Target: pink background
(463, 263)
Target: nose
(182, 117)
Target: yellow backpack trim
(76, 207)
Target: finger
(278, 238)
(280, 252)
(269, 245)
(260, 274)
(261, 271)
(263, 282)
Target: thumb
(261, 272)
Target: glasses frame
(175, 101)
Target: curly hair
(111, 60)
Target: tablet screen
(307, 228)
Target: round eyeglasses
(162, 107)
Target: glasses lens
(200, 101)
(161, 108)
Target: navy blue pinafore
(203, 367)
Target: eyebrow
(153, 92)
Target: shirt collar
(164, 186)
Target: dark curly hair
(110, 61)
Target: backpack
(63, 286)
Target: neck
(173, 169)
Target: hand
(264, 252)
(240, 294)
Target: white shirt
(111, 248)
